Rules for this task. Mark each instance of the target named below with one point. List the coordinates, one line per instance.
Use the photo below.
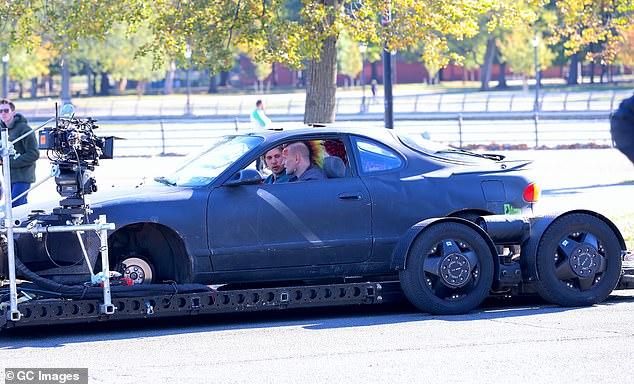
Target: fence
(348, 104)
(153, 126)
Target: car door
(297, 224)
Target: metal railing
(347, 104)
(158, 127)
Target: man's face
(275, 161)
(6, 114)
(290, 161)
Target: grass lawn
(625, 222)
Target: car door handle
(350, 196)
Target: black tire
(457, 249)
(578, 261)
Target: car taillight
(532, 193)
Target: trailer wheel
(578, 261)
(449, 270)
(137, 269)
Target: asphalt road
(509, 341)
(498, 344)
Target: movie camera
(74, 151)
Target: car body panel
(317, 229)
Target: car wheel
(137, 269)
(578, 261)
(449, 270)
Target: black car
(214, 221)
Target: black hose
(90, 292)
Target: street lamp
(362, 48)
(5, 76)
(535, 42)
(188, 56)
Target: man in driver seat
(298, 165)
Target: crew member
(26, 151)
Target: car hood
(114, 196)
(141, 194)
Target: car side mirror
(245, 177)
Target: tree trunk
(487, 67)
(105, 84)
(224, 79)
(213, 84)
(321, 82)
(592, 72)
(65, 94)
(374, 71)
(49, 85)
(89, 81)
(274, 74)
(168, 89)
(20, 90)
(321, 85)
(573, 73)
(94, 83)
(140, 87)
(34, 88)
(502, 77)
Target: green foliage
(348, 56)
(593, 25)
(24, 64)
(626, 47)
(518, 52)
(125, 36)
(262, 70)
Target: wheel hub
(585, 260)
(137, 270)
(455, 270)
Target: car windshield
(202, 168)
(419, 143)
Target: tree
(593, 27)
(471, 52)
(625, 48)
(262, 71)
(63, 23)
(274, 31)
(518, 52)
(25, 65)
(348, 57)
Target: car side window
(375, 157)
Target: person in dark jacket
(298, 165)
(22, 163)
(622, 127)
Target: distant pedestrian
(373, 85)
(622, 128)
(258, 117)
(26, 151)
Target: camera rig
(74, 151)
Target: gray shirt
(312, 173)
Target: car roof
(380, 134)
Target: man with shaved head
(298, 165)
